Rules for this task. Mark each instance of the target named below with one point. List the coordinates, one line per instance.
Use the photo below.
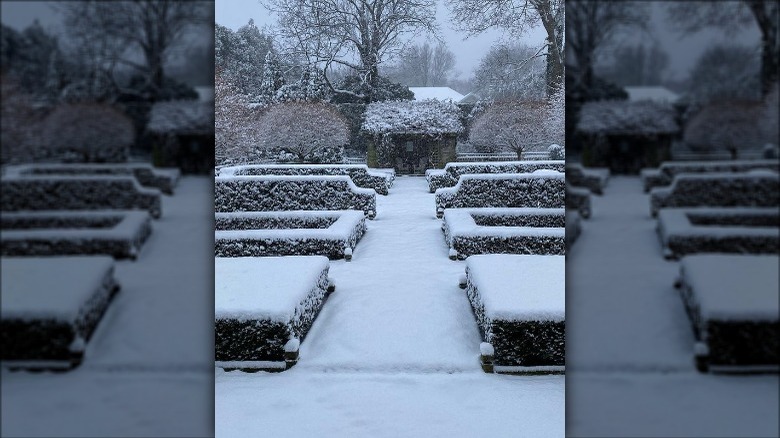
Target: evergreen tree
(273, 79)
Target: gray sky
(236, 13)
(19, 14)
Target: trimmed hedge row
(261, 339)
(752, 189)
(744, 337)
(438, 178)
(453, 171)
(544, 189)
(593, 179)
(573, 228)
(517, 342)
(119, 234)
(331, 234)
(719, 230)
(578, 199)
(285, 193)
(665, 173)
(164, 179)
(361, 175)
(79, 193)
(504, 231)
(33, 338)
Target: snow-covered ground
(394, 352)
(630, 369)
(148, 369)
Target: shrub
(88, 132)
(313, 132)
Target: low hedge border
(757, 188)
(686, 231)
(120, 234)
(665, 173)
(578, 199)
(286, 193)
(592, 179)
(79, 193)
(361, 174)
(164, 179)
(573, 228)
(332, 234)
(504, 231)
(541, 189)
(47, 341)
(259, 341)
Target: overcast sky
(468, 52)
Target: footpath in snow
(148, 368)
(629, 363)
(393, 352)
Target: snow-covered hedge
(438, 178)
(285, 193)
(92, 192)
(732, 303)
(430, 117)
(332, 234)
(164, 179)
(593, 179)
(51, 307)
(361, 175)
(664, 175)
(519, 302)
(573, 228)
(470, 231)
(757, 188)
(116, 233)
(541, 189)
(263, 303)
(578, 198)
(719, 230)
(455, 170)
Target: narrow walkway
(397, 305)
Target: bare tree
(724, 72)
(731, 16)
(590, 24)
(637, 65)
(424, 66)
(510, 71)
(512, 126)
(359, 34)
(313, 132)
(111, 35)
(517, 17)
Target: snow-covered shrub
(20, 125)
(738, 325)
(618, 116)
(88, 132)
(360, 174)
(521, 337)
(258, 234)
(235, 125)
(757, 188)
(556, 152)
(719, 230)
(578, 199)
(355, 89)
(470, 231)
(119, 234)
(285, 193)
(593, 180)
(511, 127)
(429, 117)
(314, 132)
(573, 228)
(457, 169)
(666, 172)
(249, 333)
(79, 193)
(54, 338)
(438, 178)
(544, 189)
(164, 179)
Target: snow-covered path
(629, 365)
(397, 305)
(393, 352)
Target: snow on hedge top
(734, 287)
(264, 288)
(520, 287)
(438, 93)
(430, 117)
(625, 117)
(182, 117)
(50, 287)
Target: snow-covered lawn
(147, 370)
(630, 368)
(394, 351)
